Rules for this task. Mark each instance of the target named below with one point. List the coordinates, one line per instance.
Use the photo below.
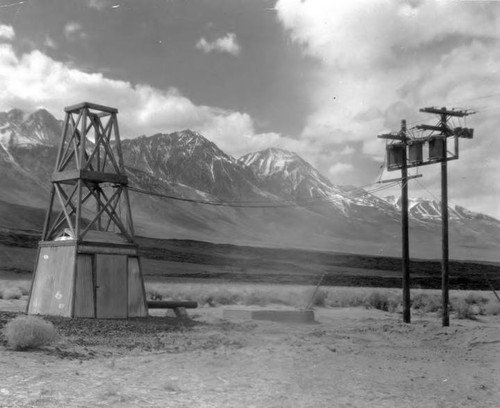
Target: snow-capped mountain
(21, 129)
(189, 159)
(430, 210)
(287, 175)
(27, 155)
(302, 207)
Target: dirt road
(352, 357)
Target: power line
(355, 193)
(487, 108)
(205, 202)
(476, 98)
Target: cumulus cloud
(339, 168)
(227, 44)
(347, 151)
(74, 31)
(33, 80)
(381, 61)
(6, 32)
(97, 4)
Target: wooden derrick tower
(87, 263)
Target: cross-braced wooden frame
(89, 180)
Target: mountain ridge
(304, 208)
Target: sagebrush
(10, 292)
(472, 305)
(215, 294)
(29, 332)
(14, 289)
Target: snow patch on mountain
(189, 158)
(289, 176)
(18, 128)
(430, 210)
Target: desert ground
(349, 357)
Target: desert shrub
(492, 308)
(395, 304)
(14, 290)
(320, 298)
(345, 297)
(25, 332)
(290, 297)
(24, 287)
(463, 309)
(255, 298)
(225, 297)
(378, 300)
(385, 301)
(426, 303)
(476, 299)
(153, 294)
(10, 292)
(470, 305)
(303, 298)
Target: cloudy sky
(318, 77)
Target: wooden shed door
(111, 286)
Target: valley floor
(352, 357)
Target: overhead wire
(355, 193)
(206, 202)
(487, 108)
(476, 98)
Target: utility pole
(445, 273)
(399, 154)
(438, 152)
(404, 153)
(404, 222)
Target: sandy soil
(352, 357)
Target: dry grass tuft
(474, 304)
(14, 289)
(464, 310)
(10, 292)
(383, 301)
(346, 297)
(29, 332)
(492, 308)
(422, 301)
(426, 302)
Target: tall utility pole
(439, 153)
(397, 153)
(403, 153)
(404, 222)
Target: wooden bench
(178, 307)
